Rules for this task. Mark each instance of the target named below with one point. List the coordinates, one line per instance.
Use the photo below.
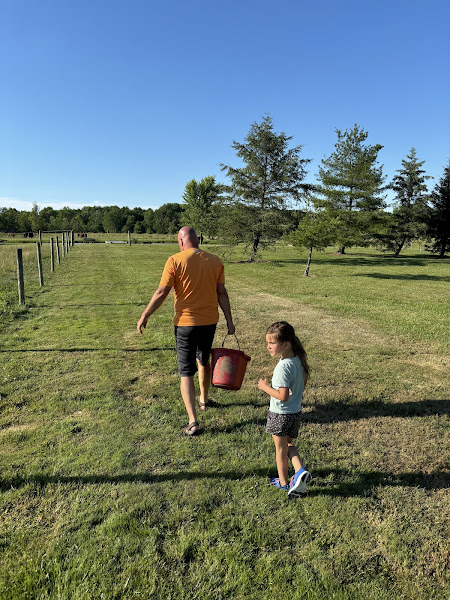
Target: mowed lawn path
(102, 497)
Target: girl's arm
(280, 394)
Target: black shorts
(193, 343)
(283, 425)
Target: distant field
(102, 497)
(143, 238)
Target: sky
(122, 102)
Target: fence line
(67, 242)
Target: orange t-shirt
(194, 275)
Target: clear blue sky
(124, 101)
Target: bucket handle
(234, 336)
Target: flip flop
(203, 405)
(189, 431)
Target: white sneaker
(298, 483)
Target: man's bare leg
(188, 394)
(204, 379)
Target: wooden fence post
(72, 236)
(39, 257)
(40, 236)
(58, 257)
(20, 276)
(52, 255)
(63, 244)
(129, 239)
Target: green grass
(102, 497)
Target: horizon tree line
(268, 199)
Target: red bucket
(228, 367)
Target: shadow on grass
(404, 277)
(88, 305)
(348, 484)
(326, 482)
(335, 412)
(363, 261)
(90, 350)
(260, 422)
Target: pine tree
(315, 231)
(200, 198)
(439, 215)
(351, 187)
(410, 214)
(261, 190)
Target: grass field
(102, 497)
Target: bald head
(187, 238)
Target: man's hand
(231, 329)
(142, 323)
(157, 299)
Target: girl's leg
(281, 453)
(294, 455)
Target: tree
(351, 187)
(167, 218)
(36, 221)
(149, 221)
(139, 227)
(260, 191)
(316, 231)
(439, 215)
(410, 213)
(112, 219)
(200, 198)
(46, 217)
(10, 220)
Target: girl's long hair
(282, 331)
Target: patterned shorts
(283, 425)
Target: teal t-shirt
(288, 373)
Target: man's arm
(224, 303)
(157, 299)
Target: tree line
(93, 219)
(267, 199)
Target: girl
(283, 421)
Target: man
(199, 285)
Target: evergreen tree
(315, 231)
(272, 176)
(200, 198)
(439, 215)
(410, 213)
(351, 187)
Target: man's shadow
(340, 411)
(325, 482)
